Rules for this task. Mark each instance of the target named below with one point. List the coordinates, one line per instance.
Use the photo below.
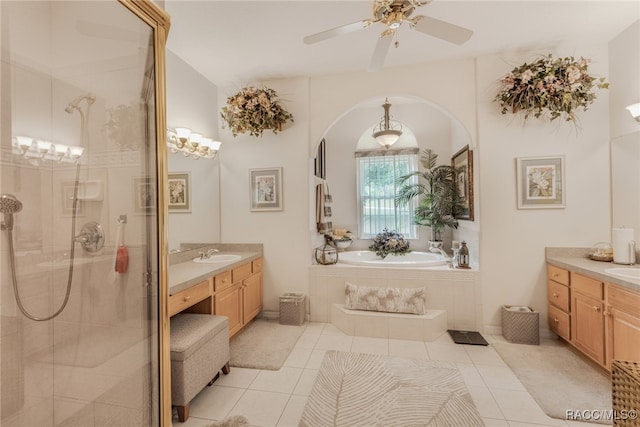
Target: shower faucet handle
(91, 237)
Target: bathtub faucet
(444, 254)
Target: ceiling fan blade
(338, 31)
(380, 52)
(441, 29)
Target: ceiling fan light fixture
(388, 131)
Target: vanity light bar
(40, 149)
(182, 140)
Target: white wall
(192, 102)
(284, 234)
(512, 241)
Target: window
(377, 188)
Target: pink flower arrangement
(549, 87)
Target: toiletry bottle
(463, 256)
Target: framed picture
(68, 187)
(180, 192)
(320, 166)
(462, 162)
(144, 195)
(540, 182)
(266, 189)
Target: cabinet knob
(555, 295)
(596, 308)
(555, 320)
(187, 297)
(555, 275)
(607, 313)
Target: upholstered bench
(199, 350)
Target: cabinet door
(587, 325)
(229, 303)
(623, 324)
(252, 297)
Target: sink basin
(217, 258)
(629, 272)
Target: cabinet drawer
(558, 274)
(241, 273)
(558, 295)
(256, 265)
(189, 297)
(222, 281)
(623, 299)
(559, 322)
(587, 286)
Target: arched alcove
(429, 125)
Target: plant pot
(341, 245)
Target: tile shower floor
(277, 398)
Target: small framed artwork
(462, 162)
(180, 192)
(266, 189)
(540, 182)
(68, 187)
(144, 195)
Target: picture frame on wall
(266, 189)
(144, 195)
(462, 163)
(180, 192)
(540, 182)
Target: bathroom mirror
(625, 182)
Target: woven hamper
(521, 327)
(292, 309)
(625, 396)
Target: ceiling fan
(393, 13)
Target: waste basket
(292, 309)
(520, 325)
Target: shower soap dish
(602, 251)
(91, 190)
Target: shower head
(73, 105)
(9, 205)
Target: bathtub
(409, 260)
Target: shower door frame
(159, 21)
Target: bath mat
(362, 390)
(264, 344)
(558, 378)
(467, 337)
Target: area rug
(354, 389)
(558, 378)
(235, 421)
(264, 344)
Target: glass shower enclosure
(80, 217)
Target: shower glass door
(79, 293)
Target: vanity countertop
(575, 259)
(188, 273)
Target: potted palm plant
(438, 201)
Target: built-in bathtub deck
(375, 324)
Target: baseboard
(269, 315)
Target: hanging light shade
(388, 131)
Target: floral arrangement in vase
(549, 87)
(253, 110)
(389, 242)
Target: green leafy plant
(254, 110)
(389, 242)
(436, 191)
(549, 87)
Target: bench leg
(210, 383)
(226, 368)
(183, 412)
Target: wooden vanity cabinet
(602, 320)
(558, 301)
(622, 319)
(587, 320)
(195, 299)
(238, 294)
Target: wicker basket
(520, 327)
(292, 309)
(625, 397)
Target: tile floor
(277, 398)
